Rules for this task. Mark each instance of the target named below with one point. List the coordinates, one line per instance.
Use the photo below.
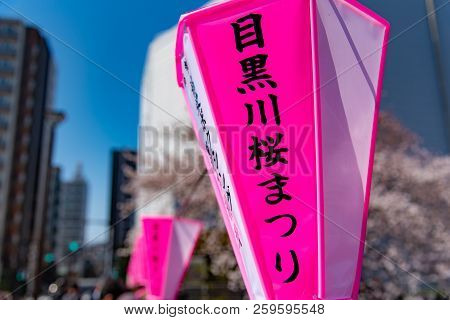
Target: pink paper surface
(134, 271)
(137, 272)
(157, 234)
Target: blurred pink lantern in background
(161, 255)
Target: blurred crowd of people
(104, 289)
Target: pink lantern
(136, 272)
(162, 254)
(283, 96)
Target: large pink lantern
(283, 96)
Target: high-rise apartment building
(50, 230)
(53, 214)
(121, 220)
(27, 123)
(12, 43)
(71, 223)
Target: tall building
(53, 214)
(121, 220)
(12, 43)
(27, 123)
(50, 231)
(71, 223)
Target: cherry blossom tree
(407, 252)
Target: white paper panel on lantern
(351, 49)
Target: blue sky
(102, 113)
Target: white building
(162, 110)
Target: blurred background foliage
(407, 252)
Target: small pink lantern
(162, 255)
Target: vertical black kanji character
(236, 233)
(257, 152)
(223, 182)
(191, 82)
(208, 145)
(248, 31)
(214, 160)
(229, 197)
(296, 268)
(276, 183)
(261, 104)
(212, 154)
(288, 216)
(202, 120)
(273, 153)
(254, 71)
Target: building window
(7, 66)
(5, 85)
(8, 31)
(3, 124)
(4, 104)
(7, 49)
